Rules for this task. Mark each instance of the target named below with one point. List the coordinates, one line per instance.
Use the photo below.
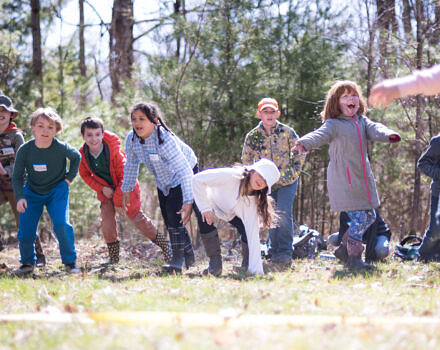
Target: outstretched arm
(425, 82)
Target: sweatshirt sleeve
(380, 132)
(201, 182)
(75, 158)
(246, 210)
(17, 141)
(18, 174)
(429, 161)
(248, 154)
(319, 137)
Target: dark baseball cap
(6, 102)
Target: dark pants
(431, 239)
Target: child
(429, 164)
(426, 81)
(102, 168)
(240, 196)
(350, 181)
(172, 162)
(44, 160)
(11, 138)
(273, 140)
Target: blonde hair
(265, 203)
(50, 115)
(331, 107)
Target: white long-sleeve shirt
(218, 190)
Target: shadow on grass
(347, 273)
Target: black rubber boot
(177, 239)
(211, 242)
(244, 256)
(188, 251)
(113, 252)
(355, 249)
(163, 244)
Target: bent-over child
(102, 168)
(350, 181)
(44, 159)
(239, 196)
(172, 163)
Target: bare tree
(37, 62)
(121, 45)
(82, 57)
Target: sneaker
(23, 270)
(72, 269)
(41, 261)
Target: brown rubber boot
(341, 252)
(355, 249)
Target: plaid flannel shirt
(171, 163)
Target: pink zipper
(349, 176)
(363, 159)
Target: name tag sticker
(40, 167)
(7, 151)
(154, 157)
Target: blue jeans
(281, 237)
(431, 240)
(57, 205)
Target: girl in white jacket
(239, 195)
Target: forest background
(207, 64)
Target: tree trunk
(121, 45)
(37, 61)
(415, 217)
(82, 56)
(406, 18)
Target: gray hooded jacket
(350, 181)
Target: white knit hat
(268, 170)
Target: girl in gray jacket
(350, 181)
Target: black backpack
(408, 249)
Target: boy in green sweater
(44, 160)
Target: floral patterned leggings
(360, 220)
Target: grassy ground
(315, 287)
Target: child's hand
(208, 216)
(2, 170)
(22, 205)
(299, 147)
(68, 182)
(119, 210)
(382, 94)
(125, 201)
(108, 192)
(186, 213)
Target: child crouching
(102, 168)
